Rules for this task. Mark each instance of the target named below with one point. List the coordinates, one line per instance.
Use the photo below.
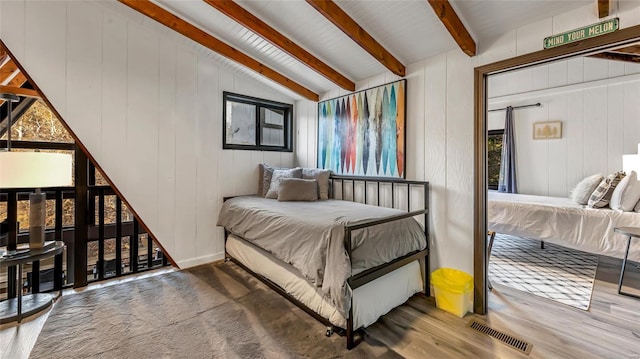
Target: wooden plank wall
(440, 125)
(146, 102)
(595, 99)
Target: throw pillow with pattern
(602, 195)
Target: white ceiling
(409, 29)
(488, 19)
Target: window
(255, 124)
(494, 155)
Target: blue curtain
(507, 182)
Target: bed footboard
(391, 189)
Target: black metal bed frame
(370, 274)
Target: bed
(344, 262)
(560, 221)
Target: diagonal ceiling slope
(305, 26)
(203, 16)
(454, 25)
(360, 36)
(251, 22)
(488, 19)
(409, 30)
(187, 29)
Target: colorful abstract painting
(363, 134)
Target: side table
(631, 232)
(22, 306)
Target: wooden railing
(132, 251)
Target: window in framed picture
(256, 124)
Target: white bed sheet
(370, 301)
(560, 221)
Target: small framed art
(547, 130)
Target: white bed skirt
(370, 301)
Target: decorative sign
(582, 33)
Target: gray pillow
(277, 176)
(296, 189)
(264, 180)
(322, 177)
(261, 180)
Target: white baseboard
(193, 262)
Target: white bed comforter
(560, 221)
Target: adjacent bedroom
(563, 150)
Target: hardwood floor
(610, 329)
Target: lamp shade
(631, 162)
(35, 169)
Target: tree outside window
(494, 156)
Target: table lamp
(631, 162)
(33, 170)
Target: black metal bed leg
(427, 280)
(350, 334)
(541, 244)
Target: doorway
(618, 38)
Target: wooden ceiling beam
(14, 83)
(7, 70)
(251, 22)
(350, 27)
(181, 26)
(633, 49)
(617, 57)
(603, 8)
(3, 55)
(456, 28)
(18, 80)
(20, 91)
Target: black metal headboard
(393, 183)
(339, 189)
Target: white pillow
(626, 194)
(583, 190)
(637, 209)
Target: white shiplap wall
(440, 125)
(146, 103)
(597, 102)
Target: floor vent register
(503, 337)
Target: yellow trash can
(453, 290)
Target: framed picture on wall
(364, 133)
(547, 130)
